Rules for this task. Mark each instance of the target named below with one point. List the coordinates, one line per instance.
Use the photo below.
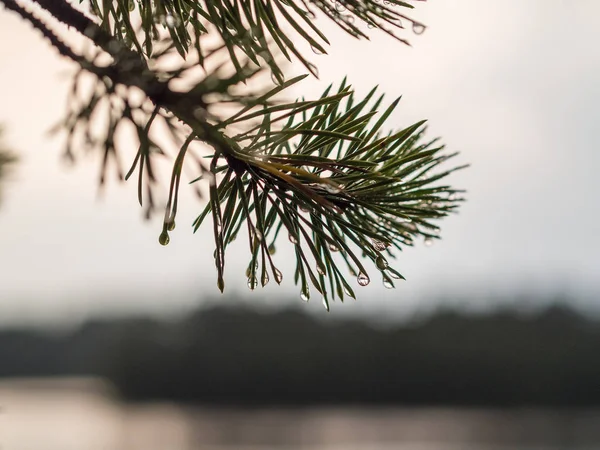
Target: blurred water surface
(84, 414)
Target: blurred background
(110, 341)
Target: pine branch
(321, 171)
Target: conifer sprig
(327, 174)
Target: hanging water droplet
(278, 275)
(410, 226)
(379, 245)
(394, 275)
(321, 270)
(348, 292)
(452, 197)
(292, 238)
(170, 21)
(435, 230)
(257, 234)
(363, 279)
(252, 283)
(331, 188)
(171, 225)
(418, 28)
(274, 78)
(264, 279)
(316, 51)
(388, 284)
(381, 263)
(334, 248)
(428, 242)
(272, 249)
(164, 239)
(304, 295)
(325, 303)
(212, 180)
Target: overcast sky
(513, 85)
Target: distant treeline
(242, 357)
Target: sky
(513, 86)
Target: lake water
(83, 414)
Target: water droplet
(252, 283)
(264, 279)
(171, 225)
(452, 197)
(274, 78)
(381, 263)
(428, 242)
(257, 234)
(418, 28)
(348, 292)
(304, 295)
(334, 248)
(379, 245)
(321, 270)
(131, 5)
(363, 279)
(435, 230)
(325, 303)
(316, 50)
(232, 238)
(388, 284)
(304, 208)
(332, 188)
(278, 275)
(394, 275)
(339, 6)
(292, 238)
(164, 238)
(272, 249)
(410, 226)
(170, 21)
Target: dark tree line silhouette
(233, 356)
